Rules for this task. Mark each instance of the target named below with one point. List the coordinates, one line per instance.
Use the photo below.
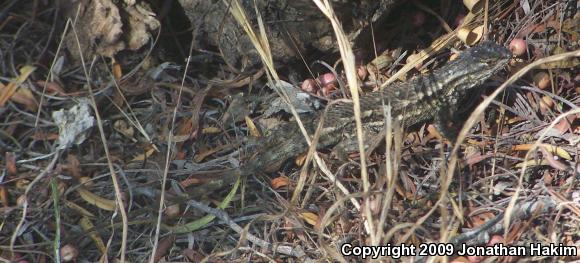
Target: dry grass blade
(114, 178)
(168, 158)
(350, 70)
(38, 178)
(261, 44)
(49, 77)
(437, 45)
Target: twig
(26, 192)
(481, 234)
(120, 205)
(222, 215)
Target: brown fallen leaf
(163, 248)
(98, 201)
(143, 156)
(8, 91)
(25, 97)
(279, 182)
(89, 227)
(4, 197)
(10, 159)
(553, 149)
(564, 124)
(204, 153)
(41, 136)
(189, 182)
(310, 218)
(252, 127)
(51, 87)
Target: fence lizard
(420, 99)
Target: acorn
(518, 46)
(542, 80)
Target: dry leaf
(25, 97)
(51, 87)
(41, 136)
(189, 182)
(310, 218)
(10, 159)
(147, 154)
(98, 201)
(79, 209)
(252, 127)
(192, 255)
(553, 149)
(210, 130)
(470, 36)
(280, 181)
(6, 92)
(301, 159)
(531, 163)
(87, 225)
(124, 128)
(117, 70)
(473, 6)
(163, 247)
(564, 124)
(4, 196)
(479, 219)
(184, 129)
(197, 102)
(203, 153)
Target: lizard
(422, 98)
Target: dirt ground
(125, 128)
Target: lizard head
(486, 58)
(473, 66)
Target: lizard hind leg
(349, 145)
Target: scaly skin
(425, 97)
(420, 99)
